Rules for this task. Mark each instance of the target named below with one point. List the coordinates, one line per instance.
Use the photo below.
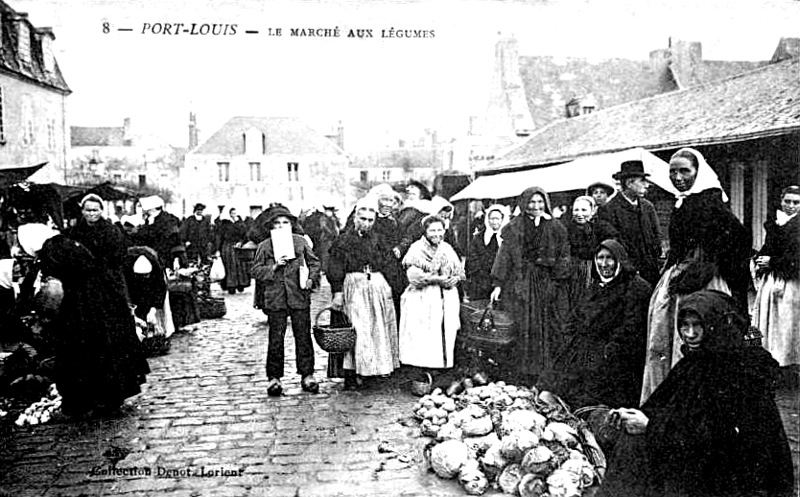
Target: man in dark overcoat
(634, 217)
(196, 235)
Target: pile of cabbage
(42, 410)
(510, 438)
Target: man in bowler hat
(635, 219)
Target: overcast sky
(372, 85)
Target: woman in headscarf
(430, 319)
(602, 359)
(230, 234)
(356, 270)
(99, 360)
(708, 249)
(711, 428)
(531, 271)
(104, 240)
(147, 287)
(585, 232)
(482, 250)
(776, 311)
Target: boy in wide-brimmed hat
(634, 217)
(287, 280)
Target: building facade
(120, 155)
(251, 162)
(33, 93)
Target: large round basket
(211, 307)
(338, 339)
(246, 252)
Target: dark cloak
(602, 361)
(704, 229)
(531, 267)
(99, 360)
(106, 243)
(782, 245)
(714, 428)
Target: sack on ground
(217, 272)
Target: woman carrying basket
(355, 271)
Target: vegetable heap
(42, 410)
(512, 438)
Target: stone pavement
(204, 425)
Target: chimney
(127, 139)
(685, 60)
(340, 135)
(788, 48)
(192, 130)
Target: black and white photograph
(313, 248)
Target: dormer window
(47, 53)
(24, 41)
(582, 105)
(254, 142)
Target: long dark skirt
(236, 273)
(541, 311)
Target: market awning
(14, 174)
(574, 175)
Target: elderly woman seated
(603, 357)
(711, 428)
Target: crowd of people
(608, 311)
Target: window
(2, 119)
(224, 169)
(387, 175)
(51, 134)
(117, 177)
(364, 176)
(24, 41)
(255, 171)
(293, 169)
(47, 53)
(27, 120)
(142, 181)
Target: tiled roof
(96, 137)
(551, 82)
(284, 135)
(762, 102)
(11, 62)
(411, 158)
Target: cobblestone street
(204, 426)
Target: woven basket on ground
(211, 307)
(332, 339)
(155, 345)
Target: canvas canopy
(575, 175)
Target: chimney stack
(127, 139)
(192, 130)
(685, 59)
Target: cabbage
(448, 457)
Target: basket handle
(487, 311)
(316, 319)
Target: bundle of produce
(42, 410)
(512, 438)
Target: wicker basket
(211, 307)
(488, 328)
(331, 339)
(155, 345)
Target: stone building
(33, 94)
